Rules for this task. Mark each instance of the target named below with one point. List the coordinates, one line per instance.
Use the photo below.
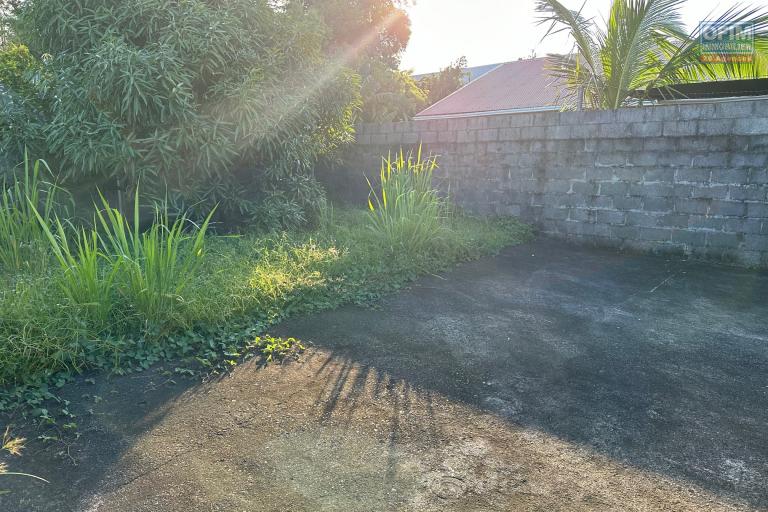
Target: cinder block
(386, 139)
(618, 188)
(756, 243)
(673, 220)
(710, 158)
(631, 115)
(661, 145)
(447, 136)
(751, 159)
(555, 213)
(509, 134)
(520, 120)
(558, 132)
(648, 129)
(465, 136)
(751, 126)
(655, 234)
(584, 187)
(663, 113)
(715, 127)
(748, 193)
(730, 176)
(430, 137)
(676, 159)
(659, 174)
(642, 219)
(560, 186)
(727, 240)
(695, 112)
(478, 123)
(628, 203)
(643, 158)
(600, 201)
(690, 238)
(611, 217)
(615, 131)
(692, 206)
(584, 131)
(693, 175)
(488, 135)
(588, 215)
(757, 210)
(734, 109)
(652, 190)
(748, 226)
(629, 174)
(600, 173)
(758, 176)
(658, 204)
(710, 192)
(706, 223)
(679, 128)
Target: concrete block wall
(687, 179)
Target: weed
(278, 349)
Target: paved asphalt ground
(548, 378)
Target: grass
(22, 244)
(121, 299)
(405, 209)
(13, 446)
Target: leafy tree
(389, 94)
(22, 108)
(370, 36)
(446, 81)
(228, 101)
(644, 45)
(365, 29)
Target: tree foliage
(389, 94)
(446, 81)
(365, 29)
(210, 100)
(370, 36)
(643, 45)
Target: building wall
(688, 179)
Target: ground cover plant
(118, 298)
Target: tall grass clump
(22, 240)
(156, 265)
(405, 209)
(87, 274)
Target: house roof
(470, 73)
(518, 86)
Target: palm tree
(643, 45)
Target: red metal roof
(518, 85)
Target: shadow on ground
(549, 378)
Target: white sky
(491, 31)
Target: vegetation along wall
(689, 179)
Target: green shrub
(17, 69)
(406, 209)
(228, 102)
